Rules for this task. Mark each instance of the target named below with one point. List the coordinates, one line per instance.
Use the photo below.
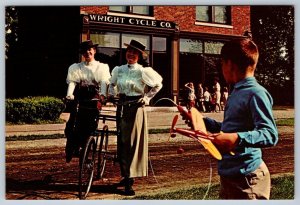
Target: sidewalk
(158, 118)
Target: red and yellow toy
(198, 131)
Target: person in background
(86, 80)
(191, 94)
(199, 98)
(248, 126)
(131, 80)
(217, 94)
(224, 97)
(207, 100)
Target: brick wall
(93, 9)
(185, 17)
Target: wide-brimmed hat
(138, 46)
(86, 45)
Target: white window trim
(213, 25)
(130, 15)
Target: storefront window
(212, 65)
(126, 38)
(106, 39)
(199, 62)
(213, 47)
(191, 46)
(159, 44)
(190, 64)
(161, 63)
(108, 50)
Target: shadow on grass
(47, 189)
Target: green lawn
(285, 122)
(282, 188)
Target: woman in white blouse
(90, 78)
(131, 81)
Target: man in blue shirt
(248, 126)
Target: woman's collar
(87, 63)
(132, 65)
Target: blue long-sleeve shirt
(248, 112)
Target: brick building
(183, 42)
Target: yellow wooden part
(198, 124)
(197, 120)
(210, 147)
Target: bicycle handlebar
(114, 100)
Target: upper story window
(213, 14)
(138, 10)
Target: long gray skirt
(133, 142)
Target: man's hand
(186, 116)
(187, 121)
(225, 142)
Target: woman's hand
(141, 102)
(70, 97)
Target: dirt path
(37, 169)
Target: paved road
(158, 118)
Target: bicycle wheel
(102, 153)
(86, 164)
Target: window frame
(129, 10)
(211, 16)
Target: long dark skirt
(81, 124)
(133, 141)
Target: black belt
(127, 101)
(124, 97)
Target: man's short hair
(242, 52)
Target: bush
(31, 110)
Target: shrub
(31, 110)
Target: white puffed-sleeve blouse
(90, 74)
(131, 80)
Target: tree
(11, 27)
(273, 31)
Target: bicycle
(91, 158)
(89, 153)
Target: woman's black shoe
(129, 191)
(126, 181)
